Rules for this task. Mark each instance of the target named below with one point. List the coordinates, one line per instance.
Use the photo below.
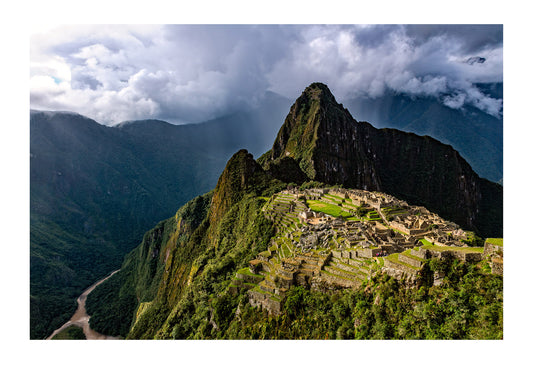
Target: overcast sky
(191, 73)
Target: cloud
(190, 73)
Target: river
(80, 317)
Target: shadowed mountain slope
(476, 135)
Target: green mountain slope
(206, 278)
(202, 242)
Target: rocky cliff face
(330, 146)
(237, 177)
(476, 135)
(315, 134)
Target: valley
(80, 318)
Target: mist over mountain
(191, 73)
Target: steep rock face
(224, 236)
(153, 268)
(332, 147)
(423, 170)
(315, 133)
(476, 135)
(236, 178)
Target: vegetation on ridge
(95, 190)
(469, 305)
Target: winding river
(80, 317)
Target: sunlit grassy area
(328, 209)
(495, 241)
(425, 242)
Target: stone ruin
(335, 253)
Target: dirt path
(80, 317)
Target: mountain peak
(318, 90)
(309, 116)
(237, 177)
(316, 125)
(320, 94)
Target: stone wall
(497, 265)
(420, 253)
(492, 249)
(334, 281)
(286, 274)
(346, 254)
(398, 271)
(438, 278)
(457, 254)
(434, 240)
(468, 257)
(323, 261)
(249, 278)
(389, 248)
(367, 253)
(264, 301)
(355, 263)
(416, 232)
(389, 264)
(339, 192)
(410, 261)
(439, 254)
(302, 280)
(399, 226)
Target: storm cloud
(191, 73)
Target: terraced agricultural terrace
(328, 239)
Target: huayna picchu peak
(330, 146)
(341, 230)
